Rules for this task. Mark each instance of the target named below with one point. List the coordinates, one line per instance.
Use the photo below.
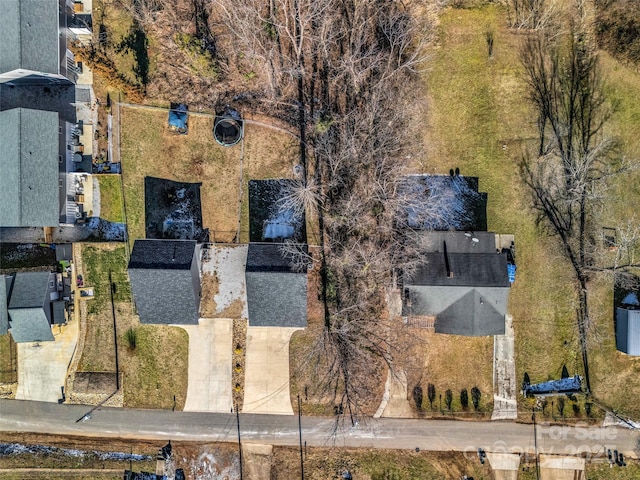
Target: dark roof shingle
(162, 254)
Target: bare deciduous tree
(569, 174)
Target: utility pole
(535, 443)
(300, 432)
(112, 288)
(239, 444)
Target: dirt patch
(232, 311)
(239, 357)
(173, 210)
(94, 382)
(209, 283)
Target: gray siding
(277, 299)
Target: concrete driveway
(42, 367)
(266, 380)
(209, 387)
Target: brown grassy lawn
(8, 359)
(479, 120)
(267, 154)
(323, 463)
(157, 368)
(148, 149)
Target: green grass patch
(111, 203)
(602, 471)
(98, 262)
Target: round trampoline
(227, 131)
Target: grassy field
(156, 369)
(111, 206)
(479, 120)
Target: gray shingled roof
(457, 242)
(165, 281)
(29, 36)
(29, 158)
(471, 311)
(628, 331)
(276, 293)
(29, 290)
(30, 325)
(474, 269)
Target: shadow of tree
(136, 42)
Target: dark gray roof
(162, 254)
(457, 242)
(165, 281)
(29, 159)
(469, 269)
(270, 214)
(459, 310)
(29, 36)
(64, 251)
(29, 290)
(58, 309)
(628, 331)
(30, 325)
(5, 286)
(277, 299)
(270, 257)
(165, 296)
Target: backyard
(150, 150)
(153, 360)
(480, 121)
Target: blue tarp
(511, 270)
(178, 118)
(564, 385)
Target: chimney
(447, 265)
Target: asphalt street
(435, 435)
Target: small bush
(561, 406)
(132, 338)
(475, 397)
(431, 393)
(464, 398)
(417, 396)
(448, 398)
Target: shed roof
(29, 290)
(628, 331)
(29, 36)
(29, 191)
(162, 254)
(30, 325)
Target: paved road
(436, 435)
